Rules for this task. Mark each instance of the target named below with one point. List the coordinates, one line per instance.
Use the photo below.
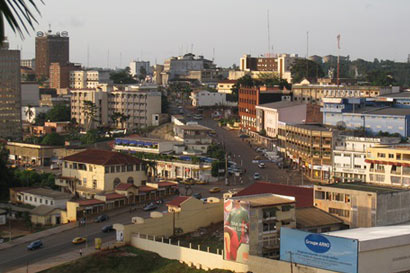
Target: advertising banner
(236, 230)
(319, 250)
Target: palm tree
(18, 15)
(114, 117)
(90, 111)
(123, 119)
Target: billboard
(319, 250)
(236, 230)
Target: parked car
(54, 166)
(197, 195)
(204, 200)
(202, 183)
(215, 190)
(107, 228)
(150, 206)
(35, 245)
(101, 218)
(79, 240)
(261, 165)
(256, 176)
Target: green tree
(216, 166)
(59, 112)
(40, 119)
(53, 139)
(90, 112)
(19, 16)
(122, 76)
(304, 68)
(90, 137)
(143, 73)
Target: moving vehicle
(261, 165)
(107, 228)
(256, 176)
(35, 244)
(79, 240)
(202, 183)
(215, 190)
(150, 206)
(101, 218)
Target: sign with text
(319, 250)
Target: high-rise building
(60, 74)
(10, 93)
(136, 66)
(51, 48)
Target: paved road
(58, 244)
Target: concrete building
(225, 86)
(30, 94)
(59, 127)
(184, 168)
(268, 213)
(195, 137)
(313, 93)
(40, 196)
(380, 249)
(88, 79)
(356, 114)
(250, 97)
(136, 66)
(96, 172)
(60, 74)
(51, 48)
(317, 221)
(364, 205)
(137, 144)
(269, 114)
(349, 155)
(30, 113)
(206, 98)
(30, 63)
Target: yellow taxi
(78, 240)
(215, 190)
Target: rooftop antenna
(307, 44)
(88, 56)
(108, 58)
(338, 59)
(213, 54)
(268, 35)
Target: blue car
(35, 245)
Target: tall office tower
(51, 48)
(10, 93)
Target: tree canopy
(122, 76)
(304, 68)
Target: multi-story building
(356, 114)
(313, 93)
(269, 115)
(136, 66)
(250, 97)
(183, 168)
(30, 94)
(30, 113)
(10, 93)
(88, 79)
(139, 106)
(30, 63)
(195, 137)
(349, 155)
(225, 86)
(60, 74)
(388, 165)
(310, 146)
(94, 172)
(51, 48)
(206, 98)
(364, 205)
(144, 145)
(39, 196)
(267, 214)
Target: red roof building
(90, 202)
(124, 186)
(303, 195)
(114, 196)
(146, 189)
(102, 157)
(176, 202)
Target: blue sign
(319, 250)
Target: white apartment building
(39, 196)
(88, 79)
(195, 137)
(139, 104)
(205, 98)
(135, 67)
(144, 145)
(349, 156)
(225, 86)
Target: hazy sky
(157, 29)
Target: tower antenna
(307, 44)
(88, 56)
(268, 34)
(213, 54)
(338, 59)
(108, 58)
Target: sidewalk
(55, 261)
(38, 235)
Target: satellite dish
(64, 33)
(40, 34)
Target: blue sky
(158, 29)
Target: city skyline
(365, 27)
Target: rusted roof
(177, 201)
(146, 189)
(102, 157)
(113, 196)
(303, 195)
(124, 186)
(166, 184)
(90, 202)
(314, 217)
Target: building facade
(39, 196)
(225, 86)
(51, 48)
(10, 93)
(196, 138)
(60, 74)
(144, 145)
(136, 66)
(205, 98)
(88, 79)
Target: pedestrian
(81, 252)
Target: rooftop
(43, 210)
(265, 200)
(397, 95)
(280, 104)
(313, 126)
(196, 127)
(57, 195)
(146, 189)
(360, 186)
(114, 196)
(177, 201)
(90, 202)
(124, 186)
(314, 217)
(303, 195)
(102, 157)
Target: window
(107, 169)
(117, 181)
(31, 198)
(326, 229)
(339, 212)
(75, 166)
(287, 207)
(130, 168)
(51, 202)
(319, 195)
(112, 169)
(85, 181)
(46, 202)
(35, 199)
(130, 180)
(94, 184)
(269, 213)
(123, 168)
(285, 222)
(117, 169)
(137, 167)
(398, 156)
(269, 227)
(41, 200)
(391, 155)
(382, 155)
(65, 165)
